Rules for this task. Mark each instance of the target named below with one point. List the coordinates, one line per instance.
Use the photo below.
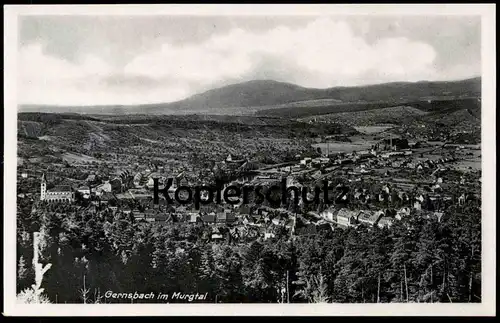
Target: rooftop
(61, 188)
(346, 213)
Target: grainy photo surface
(215, 159)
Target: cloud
(323, 53)
(44, 79)
(326, 48)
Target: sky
(101, 60)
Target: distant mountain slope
(393, 115)
(104, 109)
(268, 93)
(447, 105)
(265, 94)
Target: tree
(31, 296)
(314, 289)
(22, 273)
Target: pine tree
(208, 281)
(314, 289)
(22, 273)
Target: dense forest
(92, 252)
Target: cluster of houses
(252, 222)
(345, 218)
(352, 218)
(130, 192)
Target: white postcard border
(486, 308)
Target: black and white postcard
(249, 160)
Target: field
(334, 147)
(192, 141)
(370, 117)
(80, 158)
(471, 158)
(467, 165)
(372, 129)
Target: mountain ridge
(256, 95)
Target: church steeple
(43, 188)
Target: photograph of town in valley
(248, 159)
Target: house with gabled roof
(194, 217)
(328, 214)
(369, 217)
(209, 218)
(346, 218)
(225, 217)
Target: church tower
(43, 188)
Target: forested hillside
(416, 260)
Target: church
(62, 193)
